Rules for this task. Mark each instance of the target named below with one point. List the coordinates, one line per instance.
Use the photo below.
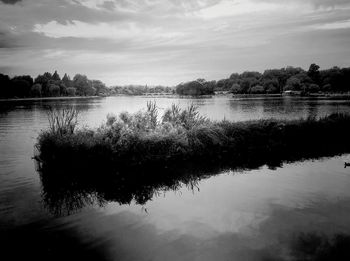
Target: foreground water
(233, 215)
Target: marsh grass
(182, 136)
(62, 122)
(133, 157)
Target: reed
(182, 136)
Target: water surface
(232, 215)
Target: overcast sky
(170, 41)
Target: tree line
(314, 80)
(272, 81)
(141, 89)
(50, 85)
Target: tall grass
(62, 122)
(183, 136)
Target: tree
(275, 77)
(71, 91)
(326, 88)
(100, 87)
(21, 85)
(246, 83)
(271, 85)
(291, 71)
(314, 73)
(35, 91)
(44, 80)
(56, 77)
(234, 77)
(195, 88)
(220, 85)
(293, 84)
(5, 86)
(54, 90)
(257, 89)
(313, 88)
(236, 88)
(67, 81)
(209, 87)
(83, 85)
(272, 89)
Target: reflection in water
(71, 191)
(287, 214)
(66, 190)
(259, 214)
(305, 233)
(316, 246)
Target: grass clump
(182, 136)
(63, 121)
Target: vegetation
(50, 85)
(272, 81)
(182, 136)
(314, 80)
(195, 88)
(62, 122)
(133, 157)
(142, 90)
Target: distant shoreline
(321, 96)
(51, 98)
(240, 96)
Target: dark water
(235, 215)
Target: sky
(170, 41)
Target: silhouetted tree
(35, 91)
(56, 76)
(314, 73)
(21, 85)
(5, 86)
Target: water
(234, 215)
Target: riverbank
(183, 137)
(311, 96)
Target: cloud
(315, 3)
(104, 30)
(109, 5)
(11, 2)
(151, 41)
(332, 26)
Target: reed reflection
(66, 190)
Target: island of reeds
(181, 137)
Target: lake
(257, 214)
